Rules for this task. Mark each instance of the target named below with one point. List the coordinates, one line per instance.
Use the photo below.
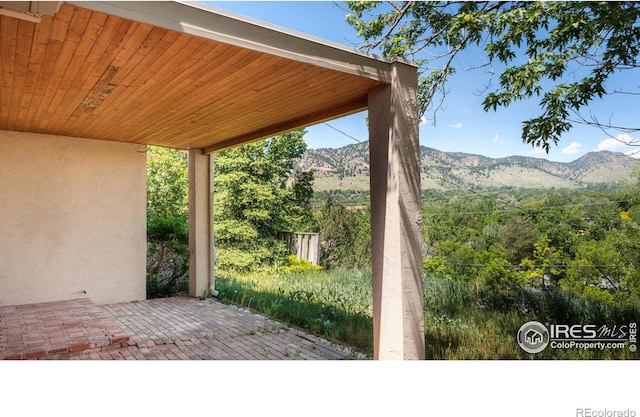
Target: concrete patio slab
(177, 328)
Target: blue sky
(461, 125)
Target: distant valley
(347, 168)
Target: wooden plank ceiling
(87, 74)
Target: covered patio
(85, 86)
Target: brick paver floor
(58, 329)
(177, 328)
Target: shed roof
(172, 74)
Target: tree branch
(398, 18)
(607, 126)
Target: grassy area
(461, 322)
(336, 305)
(466, 322)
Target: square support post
(200, 224)
(394, 149)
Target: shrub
(297, 266)
(167, 256)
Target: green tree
(561, 53)
(605, 221)
(258, 196)
(597, 271)
(519, 235)
(302, 190)
(167, 182)
(546, 260)
(345, 236)
(167, 211)
(459, 260)
(496, 273)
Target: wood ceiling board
(301, 122)
(24, 37)
(207, 105)
(8, 31)
(56, 71)
(176, 83)
(260, 114)
(149, 110)
(86, 74)
(69, 66)
(99, 69)
(135, 77)
(36, 86)
(81, 90)
(47, 45)
(119, 107)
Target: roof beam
(222, 26)
(29, 10)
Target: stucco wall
(72, 219)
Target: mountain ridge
(347, 168)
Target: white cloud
(615, 145)
(497, 139)
(456, 126)
(572, 148)
(625, 137)
(423, 120)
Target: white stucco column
(199, 223)
(396, 217)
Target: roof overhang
(173, 74)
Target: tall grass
(336, 305)
(461, 321)
(467, 322)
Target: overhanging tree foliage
(561, 53)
